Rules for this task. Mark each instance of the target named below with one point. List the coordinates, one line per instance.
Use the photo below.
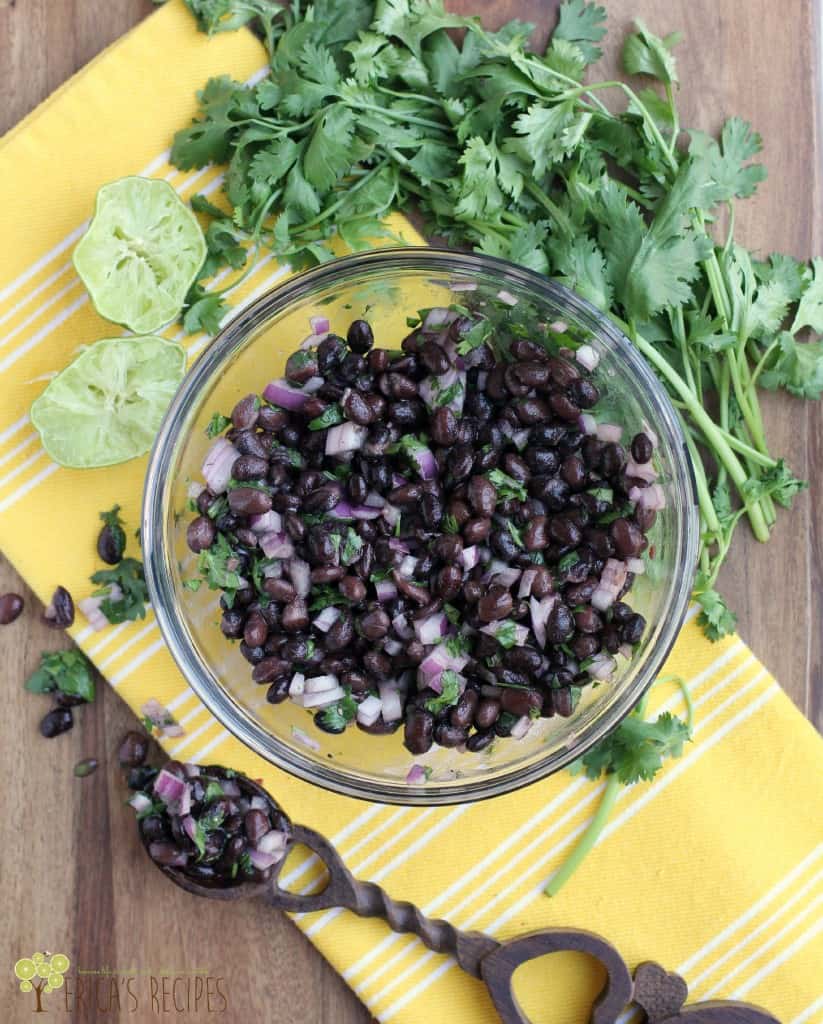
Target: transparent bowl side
(385, 287)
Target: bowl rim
(230, 714)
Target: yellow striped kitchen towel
(715, 870)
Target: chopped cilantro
(506, 486)
(217, 424)
(131, 604)
(449, 695)
(69, 671)
(328, 418)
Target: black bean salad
(212, 824)
(438, 538)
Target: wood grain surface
(71, 871)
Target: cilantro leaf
(69, 671)
(131, 603)
(217, 425)
(797, 366)
(715, 618)
(337, 716)
(644, 53)
(449, 695)
(581, 23)
(506, 486)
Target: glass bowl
(384, 286)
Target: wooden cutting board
(84, 876)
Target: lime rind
(141, 253)
(108, 403)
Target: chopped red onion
(438, 316)
(425, 463)
(641, 470)
(273, 571)
(346, 437)
(392, 647)
(300, 575)
(279, 393)
(416, 775)
(652, 436)
(558, 326)
(274, 841)
(601, 666)
(375, 500)
(463, 286)
(322, 699)
(470, 556)
(651, 497)
(540, 611)
(173, 791)
(611, 582)
(587, 357)
(521, 439)
(520, 727)
(90, 607)
(192, 770)
(504, 575)
(386, 590)
(626, 650)
(189, 826)
(399, 545)
(262, 860)
(297, 686)
(407, 567)
(324, 622)
(140, 802)
(319, 324)
(391, 514)
(257, 803)
(313, 384)
(392, 706)
(160, 849)
(587, 423)
(266, 522)
(636, 566)
(217, 465)
(401, 626)
(230, 788)
(431, 629)
(276, 545)
(369, 710)
(306, 740)
(526, 582)
(609, 432)
(321, 684)
(313, 340)
(521, 633)
(194, 490)
(507, 297)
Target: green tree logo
(41, 972)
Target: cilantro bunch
(371, 106)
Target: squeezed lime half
(106, 406)
(141, 253)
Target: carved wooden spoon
(661, 995)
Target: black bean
(358, 681)
(479, 741)
(587, 620)
(68, 700)
(278, 691)
(248, 501)
(59, 613)
(434, 358)
(295, 616)
(256, 824)
(11, 605)
(563, 702)
(133, 749)
(357, 409)
(200, 534)
(418, 733)
(642, 448)
(360, 336)
(352, 588)
(232, 623)
(627, 537)
(253, 655)
(270, 669)
(56, 721)
(563, 406)
(341, 634)
(330, 353)
(244, 415)
(443, 426)
(255, 631)
(447, 735)
(612, 460)
(272, 419)
(560, 624)
(520, 701)
(583, 393)
(449, 582)
(488, 711)
(249, 443)
(418, 594)
(573, 471)
(378, 360)
(476, 530)
(632, 629)
(496, 603)
(462, 714)
(374, 624)
(645, 518)
(535, 537)
(503, 544)
(250, 467)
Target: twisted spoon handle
(368, 900)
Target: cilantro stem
(587, 842)
(404, 117)
(560, 217)
(347, 194)
(710, 430)
(704, 498)
(684, 689)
